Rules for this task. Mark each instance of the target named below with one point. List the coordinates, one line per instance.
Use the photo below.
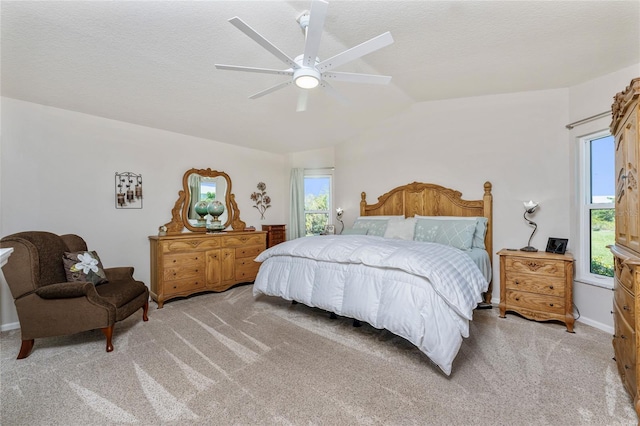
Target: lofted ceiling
(152, 62)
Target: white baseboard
(595, 324)
(10, 326)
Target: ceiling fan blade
(333, 92)
(255, 36)
(357, 78)
(303, 97)
(314, 32)
(270, 89)
(356, 52)
(252, 69)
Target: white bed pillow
(401, 229)
(479, 233)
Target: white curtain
(194, 189)
(296, 216)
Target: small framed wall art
(128, 190)
(557, 245)
(329, 229)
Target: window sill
(605, 282)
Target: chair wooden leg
(108, 332)
(145, 310)
(25, 349)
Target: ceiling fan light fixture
(306, 78)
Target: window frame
(322, 173)
(585, 206)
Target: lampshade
(530, 207)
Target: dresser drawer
(185, 285)
(184, 265)
(243, 240)
(534, 302)
(624, 301)
(552, 268)
(624, 274)
(624, 339)
(190, 245)
(246, 270)
(249, 252)
(553, 286)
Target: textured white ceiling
(152, 62)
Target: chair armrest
(67, 290)
(122, 273)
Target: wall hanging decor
(128, 190)
(262, 200)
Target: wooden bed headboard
(427, 199)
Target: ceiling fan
(307, 71)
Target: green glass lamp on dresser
(626, 250)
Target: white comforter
(424, 292)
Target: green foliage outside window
(314, 220)
(602, 235)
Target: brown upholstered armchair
(48, 305)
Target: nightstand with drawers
(276, 234)
(537, 285)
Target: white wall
(58, 171)
(518, 142)
(515, 141)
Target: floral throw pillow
(84, 266)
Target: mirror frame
(179, 213)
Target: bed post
(488, 213)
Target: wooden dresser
(537, 285)
(626, 250)
(189, 263)
(276, 234)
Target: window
(597, 213)
(317, 200)
(207, 189)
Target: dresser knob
(626, 367)
(517, 282)
(517, 299)
(551, 287)
(626, 308)
(622, 336)
(551, 304)
(174, 261)
(175, 287)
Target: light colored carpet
(231, 359)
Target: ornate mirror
(193, 209)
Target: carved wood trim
(621, 102)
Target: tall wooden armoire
(626, 250)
